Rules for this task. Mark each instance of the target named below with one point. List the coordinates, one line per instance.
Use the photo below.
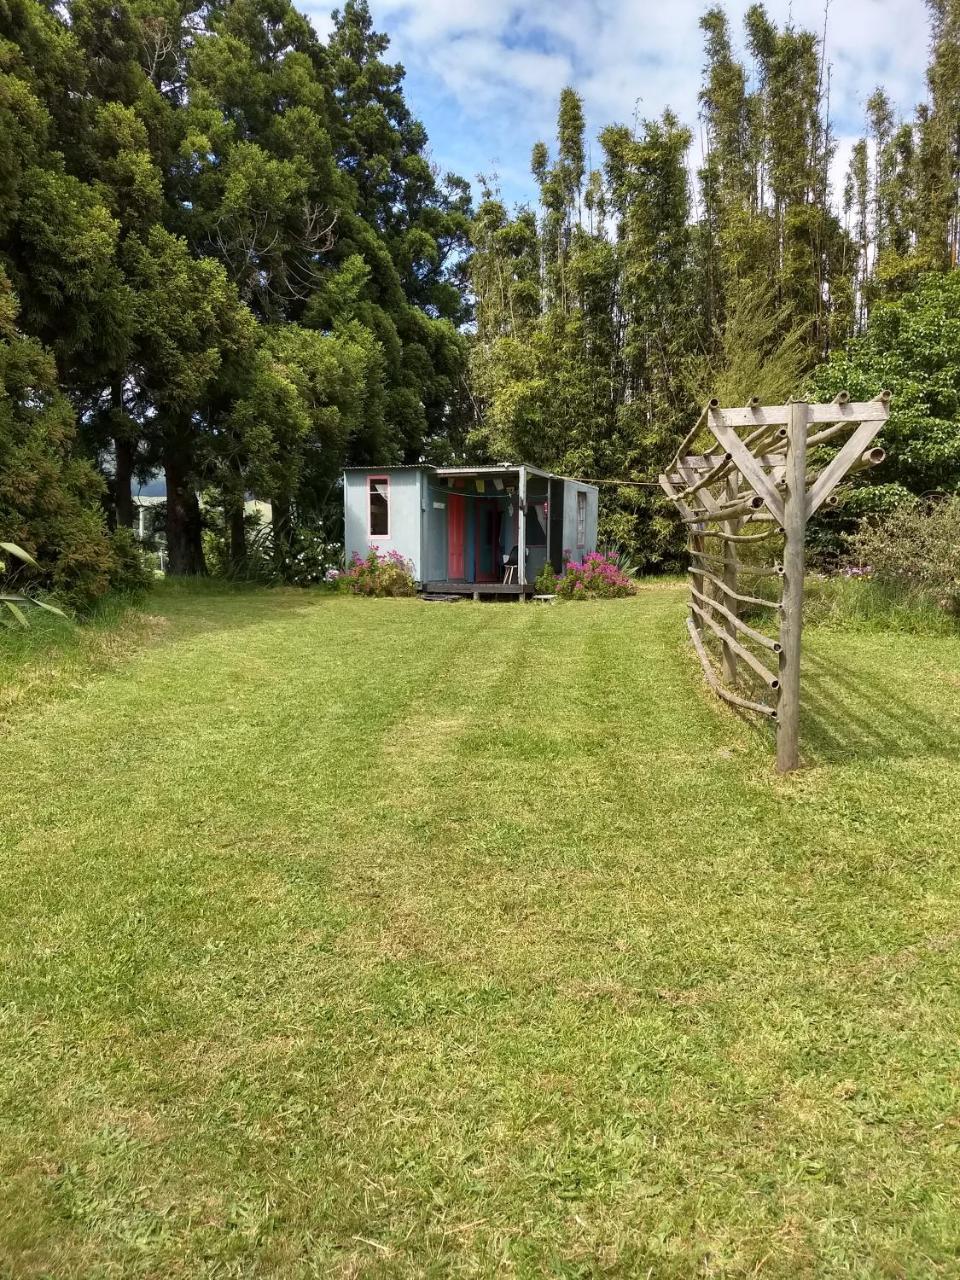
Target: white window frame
(581, 517)
(371, 481)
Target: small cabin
(470, 530)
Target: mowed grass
(380, 938)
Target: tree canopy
(227, 255)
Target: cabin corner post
(522, 528)
(791, 624)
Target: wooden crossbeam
(839, 465)
(734, 595)
(779, 414)
(751, 470)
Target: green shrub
(49, 495)
(546, 583)
(916, 550)
(130, 573)
(379, 575)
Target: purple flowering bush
(390, 574)
(595, 577)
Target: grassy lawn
(378, 938)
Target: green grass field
(349, 938)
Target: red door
(456, 509)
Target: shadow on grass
(855, 711)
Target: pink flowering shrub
(594, 577)
(390, 574)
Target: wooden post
(729, 664)
(522, 530)
(791, 626)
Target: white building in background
(149, 500)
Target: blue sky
(484, 75)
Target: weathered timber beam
(753, 571)
(764, 517)
(738, 537)
(714, 682)
(791, 613)
(820, 437)
(687, 478)
(871, 458)
(712, 403)
(746, 463)
(731, 531)
(725, 466)
(751, 659)
(744, 628)
(704, 461)
(839, 465)
(779, 414)
(733, 595)
(728, 513)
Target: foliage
(227, 232)
(48, 495)
(858, 602)
(12, 603)
(131, 574)
(916, 549)
(376, 574)
(912, 347)
(594, 578)
(546, 582)
(619, 555)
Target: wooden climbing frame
(763, 479)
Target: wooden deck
(477, 589)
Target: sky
(484, 75)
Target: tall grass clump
(902, 573)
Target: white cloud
(485, 74)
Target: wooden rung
(767, 676)
(757, 636)
(755, 571)
(713, 680)
(729, 591)
(738, 537)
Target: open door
(456, 523)
(489, 567)
(555, 526)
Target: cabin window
(379, 506)
(581, 518)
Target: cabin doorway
(488, 516)
(455, 536)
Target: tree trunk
(123, 475)
(184, 544)
(236, 532)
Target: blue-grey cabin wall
(405, 524)
(572, 548)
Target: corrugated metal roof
(498, 468)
